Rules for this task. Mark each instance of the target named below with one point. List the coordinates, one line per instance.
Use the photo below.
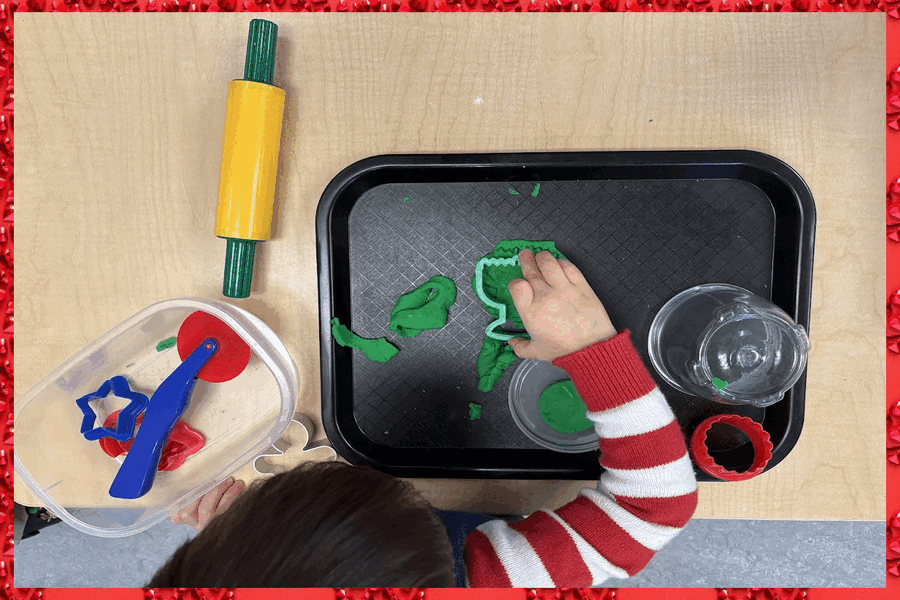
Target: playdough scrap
(378, 350)
(494, 359)
(496, 355)
(474, 411)
(563, 409)
(426, 307)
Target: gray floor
(706, 554)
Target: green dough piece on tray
(426, 307)
(496, 278)
(495, 358)
(563, 409)
(474, 411)
(379, 350)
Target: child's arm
(648, 492)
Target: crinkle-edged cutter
(512, 247)
(490, 330)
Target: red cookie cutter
(183, 442)
(762, 447)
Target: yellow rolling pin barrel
(250, 147)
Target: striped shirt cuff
(608, 373)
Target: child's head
(318, 525)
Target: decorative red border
(892, 67)
(891, 7)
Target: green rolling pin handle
(239, 256)
(260, 64)
(260, 67)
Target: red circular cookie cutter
(183, 442)
(762, 447)
(229, 360)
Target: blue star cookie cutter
(118, 385)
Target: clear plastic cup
(723, 343)
(529, 381)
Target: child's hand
(558, 308)
(201, 511)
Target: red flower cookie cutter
(762, 447)
(183, 442)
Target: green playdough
(563, 409)
(379, 350)
(496, 356)
(474, 411)
(166, 344)
(425, 307)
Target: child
(335, 525)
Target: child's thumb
(521, 347)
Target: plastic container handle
(138, 470)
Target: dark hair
(318, 525)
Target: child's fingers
(228, 497)
(187, 515)
(521, 347)
(522, 293)
(210, 501)
(530, 270)
(573, 273)
(550, 269)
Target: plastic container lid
(239, 418)
(528, 382)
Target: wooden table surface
(118, 141)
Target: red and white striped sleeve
(646, 496)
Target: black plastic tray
(642, 226)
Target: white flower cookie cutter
(301, 428)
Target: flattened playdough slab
(426, 307)
(563, 409)
(379, 350)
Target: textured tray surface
(638, 242)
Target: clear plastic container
(239, 419)
(528, 382)
(723, 343)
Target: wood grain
(118, 140)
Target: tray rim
(583, 466)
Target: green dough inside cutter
(426, 307)
(379, 350)
(563, 409)
(493, 273)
